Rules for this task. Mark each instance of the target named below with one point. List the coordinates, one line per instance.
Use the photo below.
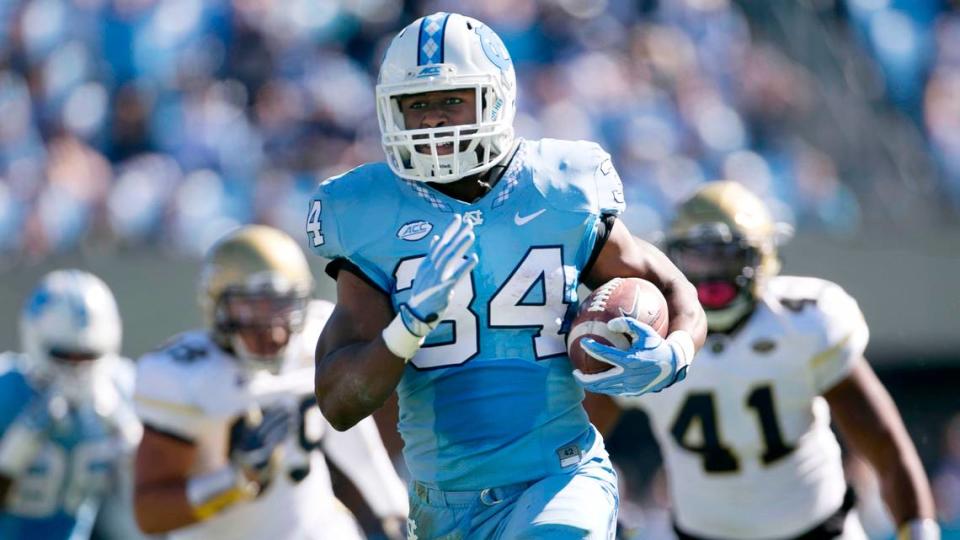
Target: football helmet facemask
(724, 240)
(254, 290)
(68, 324)
(440, 52)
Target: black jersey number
(700, 410)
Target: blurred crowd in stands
(167, 122)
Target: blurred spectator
(205, 114)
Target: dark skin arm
(355, 371)
(625, 256)
(162, 467)
(869, 421)
(603, 411)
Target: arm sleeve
(844, 338)
(360, 454)
(610, 198)
(331, 206)
(323, 235)
(607, 202)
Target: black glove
(255, 438)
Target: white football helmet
(447, 51)
(68, 324)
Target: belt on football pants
(489, 496)
(581, 447)
(832, 527)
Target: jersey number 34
(534, 295)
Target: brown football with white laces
(632, 297)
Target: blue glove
(649, 365)
(256, 437)
(438, 274)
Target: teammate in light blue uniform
(67, 428)
(477, 241)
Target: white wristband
(685, 343)
(19, 446)
(919, 529)
(210, 493)
(401, 341)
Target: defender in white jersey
(232, 431)
(746, 440)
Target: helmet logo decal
(414, 230)
(40, 298)
(430, 44)
(493, 47)
(428, 71)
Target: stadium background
(135, 132)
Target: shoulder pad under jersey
(825, 310)
(575, 175)
(187, 384)
(353, 209)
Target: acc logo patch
(414, 230)
(428, 71)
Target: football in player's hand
(631, 297)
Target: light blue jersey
(58, 495)
(489, 400)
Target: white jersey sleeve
(186, 388)
(834, 317)
(360, 454)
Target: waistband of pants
(832, 527)
(493, 495)
(488, 496)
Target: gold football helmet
(254, 290)
(724, 239)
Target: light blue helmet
(68, 323)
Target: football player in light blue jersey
(457, 264)
(67, 426)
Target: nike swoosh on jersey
(520, 221)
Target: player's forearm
(626, 256)
(906, 491)
(356, 380)
(868, 419)
(686, 313)
(161, 508)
